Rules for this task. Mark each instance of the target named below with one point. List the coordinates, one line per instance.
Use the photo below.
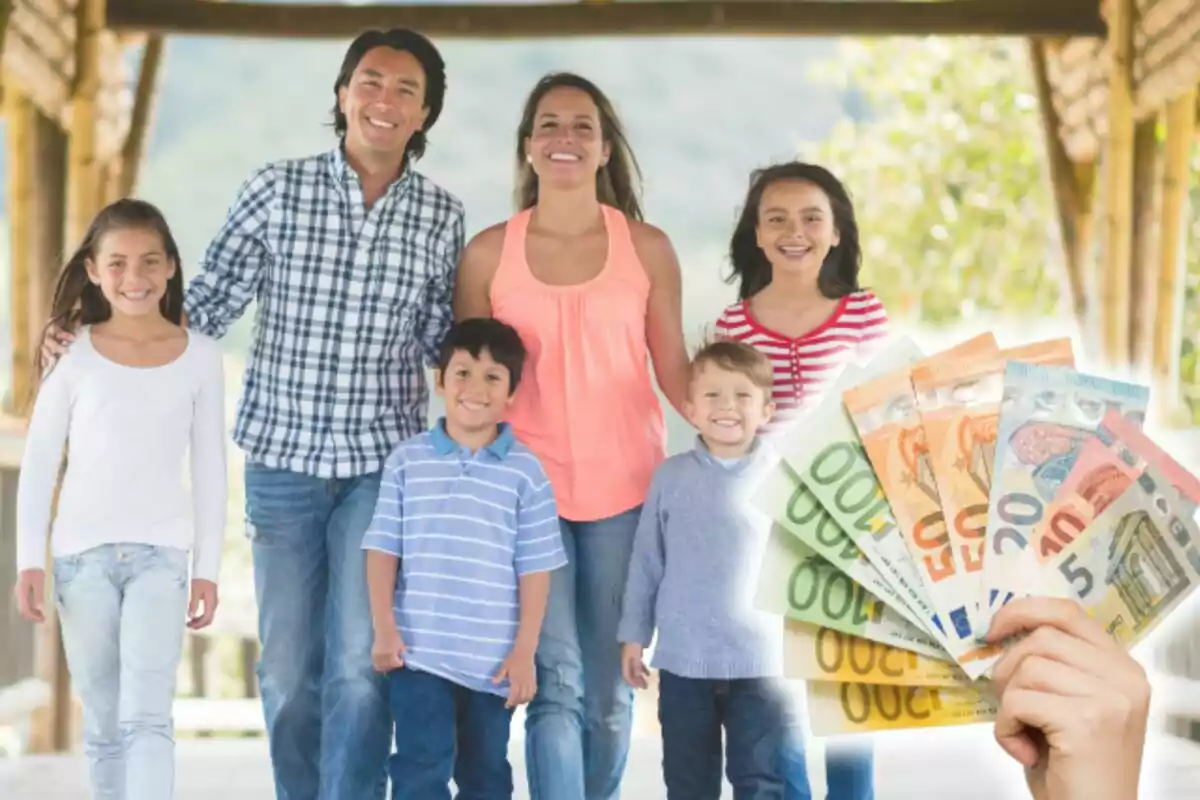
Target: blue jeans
(849, 771)
(325, 707)
(123, 609)
(446, 731)
(577, 727)
(693, 713)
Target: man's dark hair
(477, 334)
(406, 41)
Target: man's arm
(438, 311)
(236, 259)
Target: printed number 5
(1075, 574)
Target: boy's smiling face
(728, 408)
(476, 391)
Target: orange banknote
(886, 415)
(959, 403)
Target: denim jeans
(446, 731)
(325, 707)
(849, 770)
(123, 609)
(693, 713)
(577, 727)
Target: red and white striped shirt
(806, 365)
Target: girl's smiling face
(795, 228)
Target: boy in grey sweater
(691, 576)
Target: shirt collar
(748, 459)
(345, 176)
(499, 447)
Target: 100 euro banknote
(799, 584)
(1046, 416)
(790, 504)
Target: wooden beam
(83, 173)
(1142, 273)
(1074, 210)
(624, 19)
(1181, 128)
(1118, 195)
(19, 115)
(143, 108)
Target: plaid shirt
(349, 300)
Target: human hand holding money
(1073, 703)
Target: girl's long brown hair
(618, 183)
(77, 301)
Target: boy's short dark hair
(477, 334)
(734, 356)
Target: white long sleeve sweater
(128, 432)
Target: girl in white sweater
(136, 399)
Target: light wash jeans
(579, 723)
(326, 709)
(123, 609)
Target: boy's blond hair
(734, 356)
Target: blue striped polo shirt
(465, 526)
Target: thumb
(501, 673)
(193, 603)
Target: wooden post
(84, 170)
(140, 119)
(1181, 130)
(1072, 186)
(19, 115)
(1144, 241)
(1118, 167)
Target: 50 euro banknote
(959, 403)
(1136, 561)
(817, 653)
(885, 413)
(797, 583)
(1046, 416)
(839, 707)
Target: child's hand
(387, 654)
(30, 592)
(633, 669)
(1073, 703)
(522, 676)
(204, 594)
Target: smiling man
(350, 255)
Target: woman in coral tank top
(595, 294)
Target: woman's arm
(476, 268)
(210, 487)
(664, 313)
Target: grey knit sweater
(696, 557)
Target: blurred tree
(1189, 364)
(948, 176)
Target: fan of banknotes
(926, 491)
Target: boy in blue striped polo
(460, 550)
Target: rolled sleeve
(235, 261)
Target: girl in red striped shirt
(795, 259)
